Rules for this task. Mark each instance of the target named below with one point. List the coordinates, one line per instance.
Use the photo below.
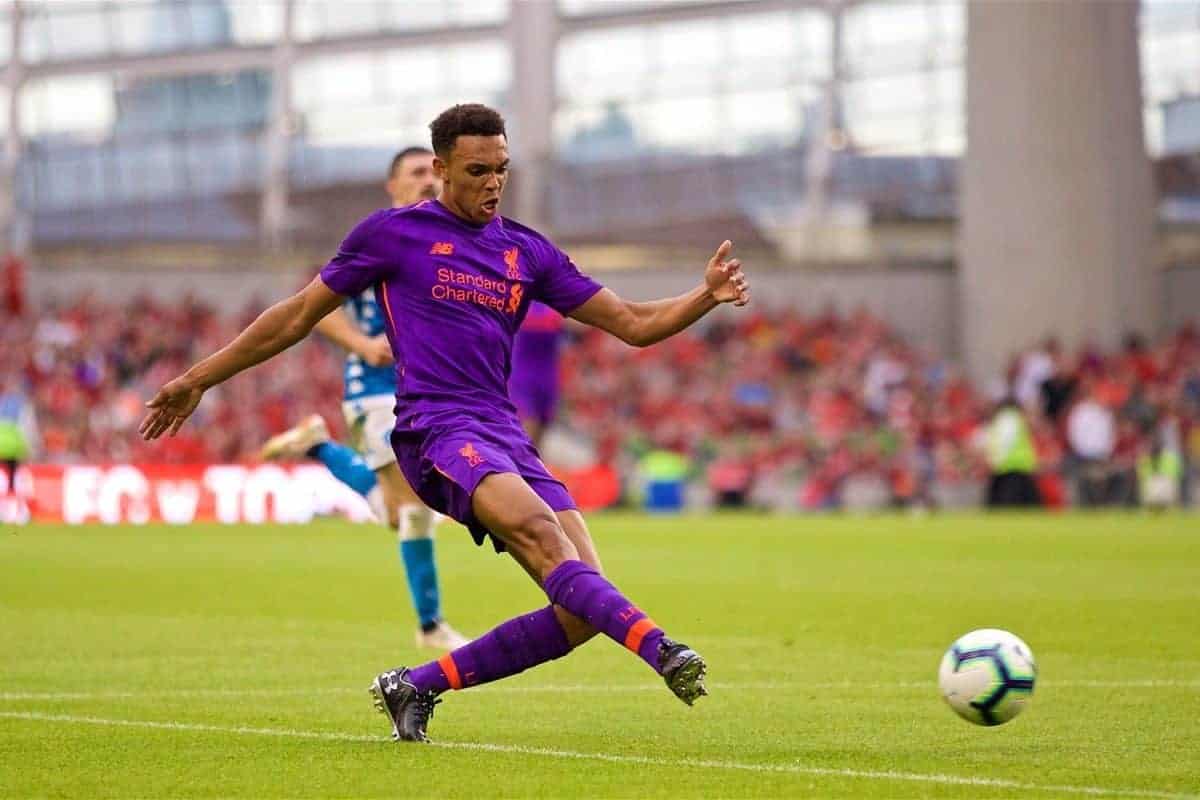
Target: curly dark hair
(467, 119)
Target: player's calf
(588, 595)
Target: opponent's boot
(296, 441)
(441, 637)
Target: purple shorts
(444, 462)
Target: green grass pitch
(211, 661)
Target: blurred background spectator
(771, 408)
(1012, 456)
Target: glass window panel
(329, 82)
(256, 22)
(330, 19)
(669, 68)
(412, 73)
(759, 36)
(688, 44)
(574, 8)
(880, 38)
(755, 120)
(77, 104)
(417, 16)
(890, 134)
(384, 97)
(889, 24)
(35, 34)
(1171, 64)
(429, 14)
(1169, 15)
(912, 112)
(571, 123)
(134, 28)
(5, 34)
(867, 98)
(485, 69)
(321, 19)
(148, 170)
(477, 12)
(586, 68)
(170, 27)
(689, 123)
(361, 125)
(776, 72)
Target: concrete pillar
(1056, 232)
(277, 140)
(12, 233)
(533, 28)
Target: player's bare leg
(566, 565)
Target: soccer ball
(987, 676)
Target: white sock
(417, 521)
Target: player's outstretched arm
(643, 324)
(275, 330)
(338, 328)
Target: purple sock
(585, 593)
(509, 648)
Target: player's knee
(543, 542)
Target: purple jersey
(453, 296)
(534, 382)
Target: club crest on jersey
(510, 260)
(442, 249)
(468, 451)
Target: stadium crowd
(769, 408)
(89, 366)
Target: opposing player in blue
(369, 466)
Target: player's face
(414, 180)
(473, 177)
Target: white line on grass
(797, 769)
(585, 688)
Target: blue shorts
(444, 463)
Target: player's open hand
(378, 353)
(724, 277)
(174, 403)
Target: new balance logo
(442, 249)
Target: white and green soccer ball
(987, 676)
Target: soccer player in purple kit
(533, 385)
(455, 280)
